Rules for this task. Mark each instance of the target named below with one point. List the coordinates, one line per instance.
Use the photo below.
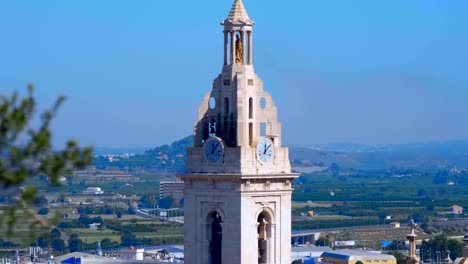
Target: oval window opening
(263, 103)
(212, 103)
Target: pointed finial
(238, 14)
(412, 225)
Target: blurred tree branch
(26, 152)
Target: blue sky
(134, 72)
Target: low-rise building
(308, 254)
(172, 188)
(347, 256)
(93, 190)
(304, 237)
(456, 209)
(132, 253)
(95, 226)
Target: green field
(370, 196)
(92, 236)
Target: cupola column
(233, 47)
(243, 46)
(249, 34)
(226, 47)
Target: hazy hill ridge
(431, 155)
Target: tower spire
(238, 12)
(238, 15)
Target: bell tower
(238, 175)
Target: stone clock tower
(238, 176)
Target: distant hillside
(165, 158)
(119, 151)
(455, 147)
(177, 148)
(432, 155)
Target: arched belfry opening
(264, 237)
(215, 238)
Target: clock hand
(214, 148)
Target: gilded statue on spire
(239, 50)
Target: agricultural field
(351, 198)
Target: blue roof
(72, 260)
(386, 243)
(335, 255)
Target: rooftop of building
(349, 254)
(61, 258)
(90, 258)
(311, 249)
(462, 260)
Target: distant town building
(394, 225)
(132, 253)
(87, 258)
(175, 251)
(304, 237)
(93, 190)
(347, 256)
(172, 188)
(95, 226)
(347, 243)
(308, 254)
(456, 209)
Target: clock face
(265, 150)
(213, 149)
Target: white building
(93, 190)
(456, 209)
(132, 253)
(94, 226)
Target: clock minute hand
(214, 148)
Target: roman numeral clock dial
(265, 150)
